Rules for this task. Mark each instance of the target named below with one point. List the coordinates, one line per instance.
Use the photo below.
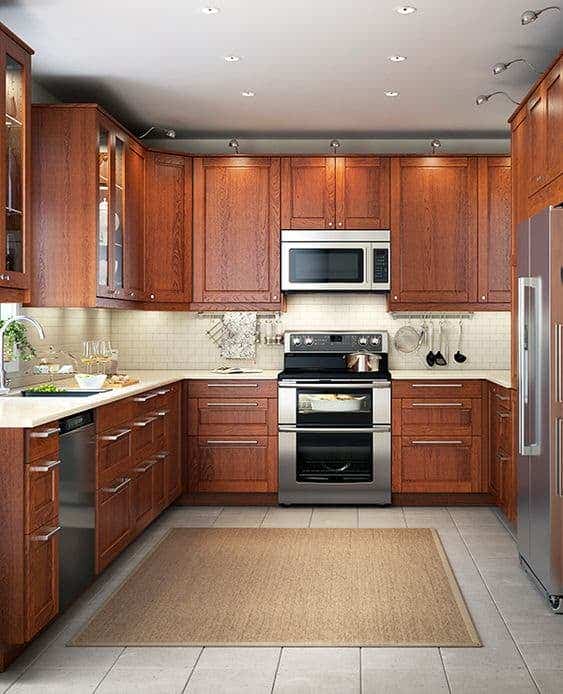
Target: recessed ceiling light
(247, 92)
(391, 92)
(210, 10)
(397, 58)
(405, 9)
(232, 58)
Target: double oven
(334, 424)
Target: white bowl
(90, 381)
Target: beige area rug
(288, 587)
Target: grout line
(361, 683)
(109, 670)
(276, 671)
(218, 515)
(193, 670)
(404, 516)
(495, 603)
(445, 671)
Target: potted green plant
(16, 337)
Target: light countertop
(21, 413)
(499, 378)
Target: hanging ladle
(459, 356)
(430, 358)
(439, 358)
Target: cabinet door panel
(495, 247)
(158, 485)
(133, 251)
(538, 142)
(41, 579)
(362, 193)
(308, 193)
(114, 454)
(236, 230)
(446, 416)
(554, 122)
(168, 228)
(434, 230)
(142, 495)
(113, 521)
(41, 493)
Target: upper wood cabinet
(236, 235)
(87, 209)
(335, 193)
(433, 230)
(168, 228)
(15, 169)
(494, 247)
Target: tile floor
(523, 640)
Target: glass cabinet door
(118, 213)
(104, 170)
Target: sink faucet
(4, 389)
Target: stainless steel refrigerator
(540, 401)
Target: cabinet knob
(132, 294)
(275, 297)
(5, 277)
(396, 298)
(339, 224)
(152, 297)
(483, 298)
(330, 224)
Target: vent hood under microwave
(329, 261)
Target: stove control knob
(362, 340)
(297, 340)
(374, 340)
(308, 340)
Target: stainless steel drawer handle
(226, 442)
(162, 413)
(148, 466)
(162, 455)
(232, 404)
(437, 404)
(51, 465)
(164, 391)
(501, 397)
(45, 433)
(118, 488)
(378, 428)
(503, 415)
(145, 423)
(146, 398)
(47, 535)
(502, 458)
(436, 385)
(232, 385)
(435, 442)
(115, 437)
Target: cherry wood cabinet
(236, 240)
(114, 520)
(502, 459)
(15, 169)
(41, 578)
(335, 193)
(168, 229)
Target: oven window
(334, 407)
(326, 265)
(334, 458)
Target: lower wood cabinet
(114, 522)
(502, 458)
(41, 578)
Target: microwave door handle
(368, 266)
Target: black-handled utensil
(439, 357)
(459, 357)
(430, 358)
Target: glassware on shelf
(13, 123)
(119, 203)
(103, 207)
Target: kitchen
(264, 346)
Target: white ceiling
(318, 67)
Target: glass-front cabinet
(15, 94)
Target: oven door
(326, 266)
(334, 465)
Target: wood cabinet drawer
(436, 389)
(234, 463)
(236, 416)
(142, 495)
(440, 464)
(112, 415)
(114, 456)
(500, 396)
(42, 441)
(41, 493)
(143, 439)
(154, 399)
(444, 416)
(113, 520)
(41, 578)
(233, 389)
(502, 425)
(159, 484)
(172, 474)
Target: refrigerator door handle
(558, 454)
(529, 331)
(558, 365)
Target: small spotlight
(234, 144)
(335, 144)
(499, 68)
(530, 16)
(435, 144)
(484, 98)
(167, 132)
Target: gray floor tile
(503, 655)
(77, 658)
(421, 659)
(61, 681)
(544, 656)
(144, 681)
(334, 517)
(404, 682)
(493, 680)
(540, 630)
(381, 518)
(322, 670)
(158, 658)
(298, 517)
(549, 681)
(241, 517)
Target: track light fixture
(234, 144)
(530, 16)
(335, 144)
(167, 132)
(435, 144)
(498, 68)
(483, 98)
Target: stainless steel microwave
(328, 261)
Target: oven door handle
(357, 385)
(336, 430)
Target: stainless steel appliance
(540, 409)
(363, 361)
(334, 424)
(328, 261)
(77, 447)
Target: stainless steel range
(334, 419)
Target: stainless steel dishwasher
(77, 449)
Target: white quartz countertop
(499, 378)
(22, 413)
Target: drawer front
(236, 416)
(41, 493)
(235, 464)
(233, 389)
(41, 578)
(159, 485)
(173, 474)
(501, 396)
(502, 429)
(113, 520)
(143, 438)
(114, 454)
(444, 416)
(440, 464)
(42, 441)
(113, 415)
(142, 495)
(436, 389)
